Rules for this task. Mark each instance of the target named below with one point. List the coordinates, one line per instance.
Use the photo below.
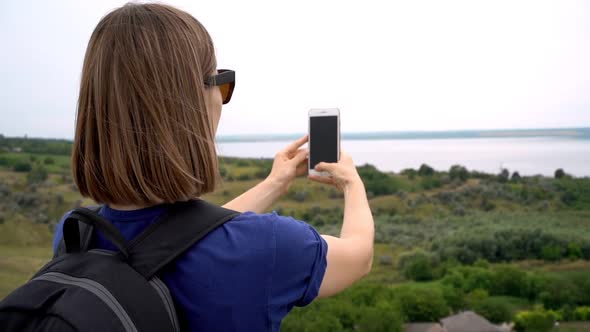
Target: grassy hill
(443, 238)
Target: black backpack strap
(179, 228)
(85, 234)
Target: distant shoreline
(577, 133)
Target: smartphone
(324, 138)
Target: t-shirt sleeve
(299, 262)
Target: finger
(301, 169)
(295, 145)
(321, 179)
(325, 167)
(300, 156)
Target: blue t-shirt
(245, 275)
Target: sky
(387, 65)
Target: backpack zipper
(95, 288)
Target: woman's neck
(127, 207)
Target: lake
(528, 156)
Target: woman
(149, 105)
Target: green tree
(311, 321)
(454, 298)
(515, 177)
(474, 298)
(477, 278)
(551, 253)
(421, 305)
(496, 310)
(559, 173)
(559, 292)
(377, 182)
(504, 175)
(417, 266)
(425, 170)
(509, 281)
(574, 251)
(458, 172)
(382, 318)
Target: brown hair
(143, 134)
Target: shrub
(409, 172)
(496, 310)
(37, 175)
(4, 161)
(334, 193)
(509, 281)
(482, 263)
(454, 298)
(49, 161)
(582, 313)
(477, 278)
(245, 177)
(417, 266)
(535, 284)
(574, 251)
(22, 167)
(263, 172)
(474, 298)
(223, 172)
(421, 305)
(551, 253)
(298, 196)
(487, 205)
(242, 163)
(381, 318)
(569, 197)
(385, 260)
(538, 320)
(430, 182)
(311, 321)
(377, 182)
(558, 293)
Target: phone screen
(323, 139)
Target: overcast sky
(388, 65)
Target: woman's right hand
(342, 174)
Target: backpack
(101, 290)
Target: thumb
(325, 167)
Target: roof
(469, 321)
(424, 327)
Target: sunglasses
(225, 80)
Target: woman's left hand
(289, 163)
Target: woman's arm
(259, 198)
(288, 164)
(349, 256)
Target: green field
(499, 244)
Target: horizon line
(557, 131)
